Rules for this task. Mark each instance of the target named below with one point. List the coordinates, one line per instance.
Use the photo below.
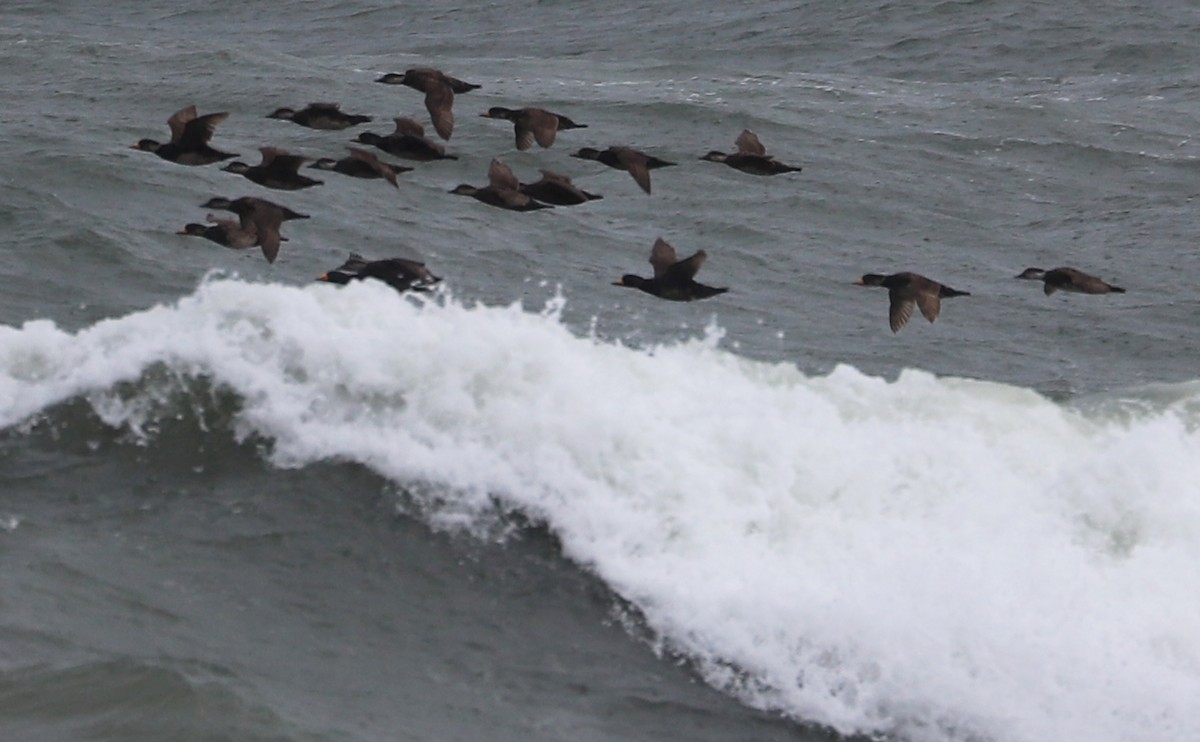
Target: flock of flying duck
(259, 220)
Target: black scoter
(637, 164)
(673, 278)
(533, 124)
(278, 170)
(328, 116)
(190, 135)
(503, 190)
(906, 290)
(751, 157)
(439, 89)
(399, 273)
(362, 164)
(260, 215)
(408, 141)
(1069, 279)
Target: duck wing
(662, 257)
(280, 161)
(541, 125)
(410, 127)
(635, 162)
(502, 177)
(930, 303)
(901, 309)
(439, 98)
(387, 172)
(748, 144)
(686, 269)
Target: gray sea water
(238, 505)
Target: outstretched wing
(929, 303)
(686, 269)
(662, 257)
(635, 163)
(439, 99)
(280, 161)
(411, 127)
(501, 176)
(748, 144)
(900, 311)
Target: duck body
(225, 232)
(361, 164)
(1069, 279)
(399, 273)
(501, 198)
(558, 190)
(325, 116)
(907, 290)
(278, 170)
(190, 135)
(439, 89)
(533, 124)
(674, 279)
(637, 164)
(751, 164)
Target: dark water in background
(283, 511)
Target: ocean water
(237, 503)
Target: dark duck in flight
(190, 135)
(227, 232)
(327, 116)
(751, 157)
(361, 164)
(906, 290)
(408, 141)
(533, 124)
(399, 273)
(558, 190)
(1069, 279)
(637, 164)
(502, 191)
(278, 170)
(439, 89)
(674, 279)
(261, 217)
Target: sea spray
(931, 558)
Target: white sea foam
(932, 558)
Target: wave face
(931, 558)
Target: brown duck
(503, 190)
(637, 164)
(260, 216)
(362, 164)
(190, 135)
(533, 124)
(673, 278)
(906, 290)
(439, 89)
(227, 232)
(1069, 279)
(278, 170)
(751, 157)
(408, 141)
(558, 190)
(328, 116)
(399, 273)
